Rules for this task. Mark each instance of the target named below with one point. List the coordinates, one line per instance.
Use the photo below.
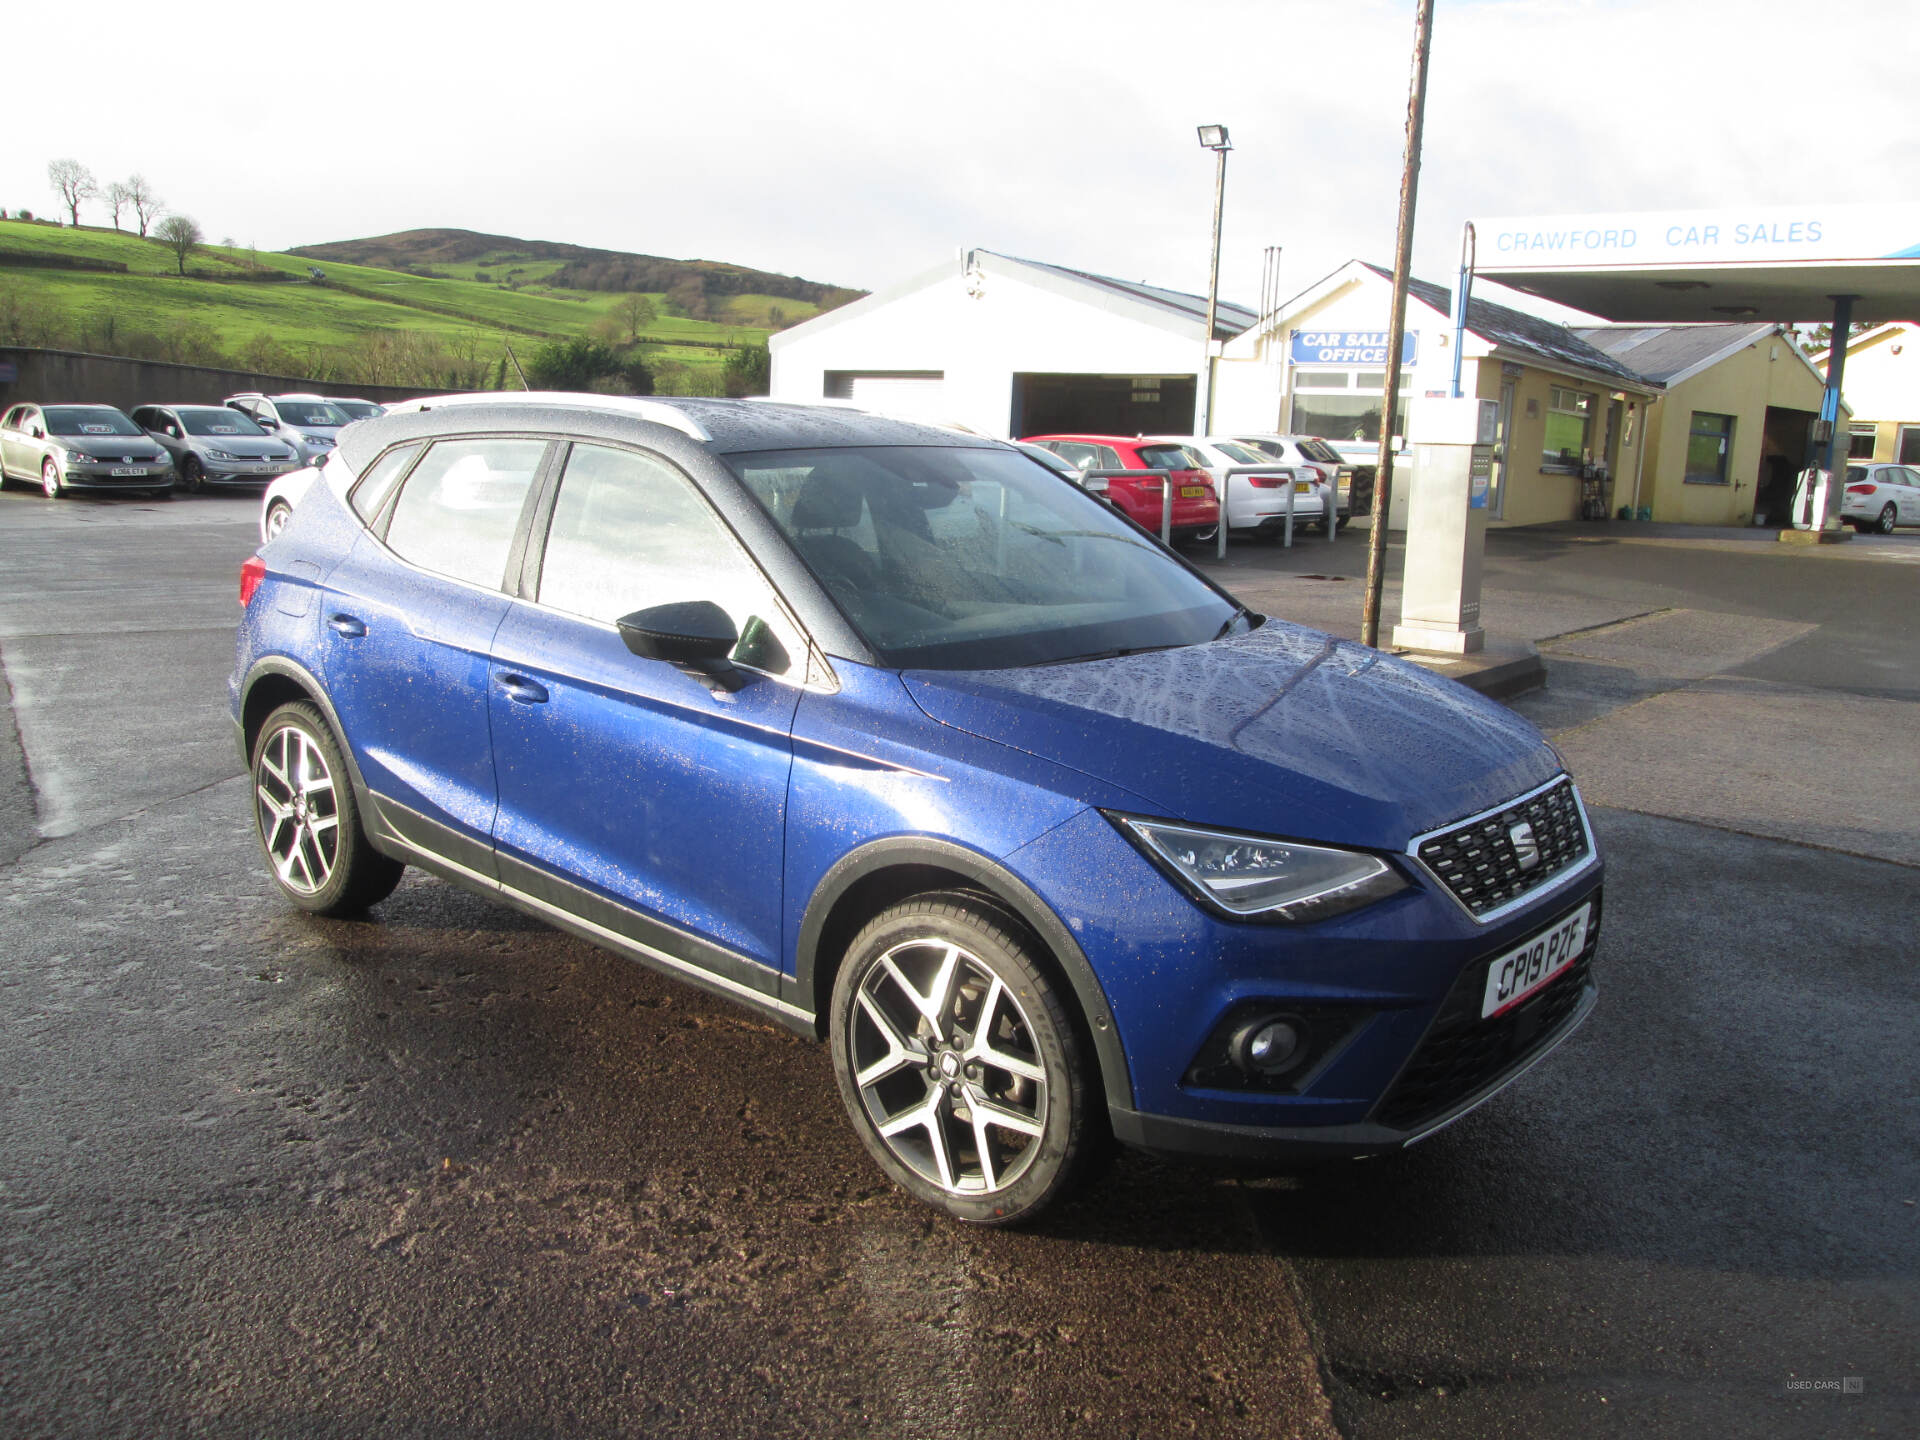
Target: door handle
(346, 625)
(527, 692)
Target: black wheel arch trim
(922, 851)
(288, 669)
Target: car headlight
(1257, 878)
(320, 442)
(213, 454)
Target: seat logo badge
(1525, 848)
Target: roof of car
(720, 426)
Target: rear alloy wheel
(308, 822)
(958, 1062)
(50, 480)
(1889, 517)
(278, 513)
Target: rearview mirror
(693, 636)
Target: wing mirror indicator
(696, 637)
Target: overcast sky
(861, 142)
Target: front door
(1503, 433)
(407, 626)
(657, 802)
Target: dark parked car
(215, 445)
(885, 733)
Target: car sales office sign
(1349, 347)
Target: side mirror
(267, 421)
(693, 636)
(38, 433)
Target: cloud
(860, 142)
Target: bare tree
(117, 199)
(180, 234)
(147, 205)
(637, 312)
(74, 182)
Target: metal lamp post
(1214, 138)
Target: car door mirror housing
(693, 636)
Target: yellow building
(1882, 382)
(1728, 436)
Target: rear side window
(457, 514)
(630, 532)
(372, 489)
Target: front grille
(1480, 861)
(1462, 1052)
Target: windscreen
(216, 420)
(84, 420)
(357, 409)
(1318, 450)
(965, 559)
(308, 412)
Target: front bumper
(153, 477)
(245, 472)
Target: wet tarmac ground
(448, 1172)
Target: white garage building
(1010, 347)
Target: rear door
(657, 803)
(406, 623)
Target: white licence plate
(130, 470)
(1519, 973)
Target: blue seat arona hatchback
(898, 737)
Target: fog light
(1267, 1047)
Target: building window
(1349, 418)
(1861, 441)
(1909, 445)
(1569, 426)
(1709, 448)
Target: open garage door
(1103, 404)
(907, 394)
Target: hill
(111, 291)
(694, 284)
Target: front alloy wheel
(50, 479)
(957, 1061)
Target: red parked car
(1196, 508)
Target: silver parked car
(215, 445)
(1881, 496)
(80, 447)
(310, 423)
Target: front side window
(309, 412)
(630, 532)
(1569, 426)
(1709, 448)
(971, 559)
(461, 505)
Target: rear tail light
(1861, 489)
(252, 571)
(1268, 482)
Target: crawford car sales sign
(1349, 347)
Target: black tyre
(1889, 517)
(193, 475)
(50, 483)
(308, 821)
(278, 514)
(959, 1062)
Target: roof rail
(637, 406)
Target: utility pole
(1214, 138)
(1397, 328)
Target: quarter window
(461, 505)
(372, 489)
(1709, 448)
(1569, 426)
(629, 532)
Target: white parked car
(1259, 502)
(310, 423)
(1879, 497)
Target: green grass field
(355, 302)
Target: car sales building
(1572, 418)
